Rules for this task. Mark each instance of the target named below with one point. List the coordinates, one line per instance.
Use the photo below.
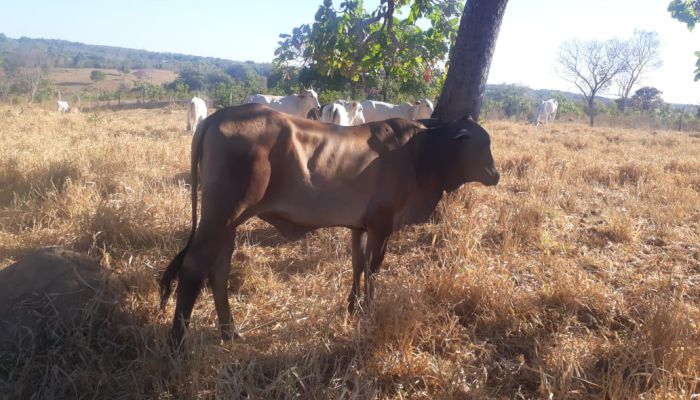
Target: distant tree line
(65, 54)
(646, 103)
(395, 60)
(25, 65)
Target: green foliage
(355, 48)
(284, 80)
(328, 96)
(46, 91)
(97, 76)
(242, 72)
(147, 91)
(516, 105)
(228, 94)
(125, 69)
(234, 90)
(178, 88)
(647, 99)
(687, 12)
(194, 78)
(216, 78)
(509, 101)
(606, 108)
(567, 107)
(514, 101)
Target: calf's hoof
(229, 334)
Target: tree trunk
(470, 59)
(591, 109)
(623, 104)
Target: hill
(56, 53)
(497, 91)
(37, 69)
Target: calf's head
(464, 154)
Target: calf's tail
(173, 269)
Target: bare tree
(28, 80)
(590, 66)
(470, 60)
(640, 55)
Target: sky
(525, 54)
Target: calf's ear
(463, 133)
(467, 117)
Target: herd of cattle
(340, 112)
(347, 112)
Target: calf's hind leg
(200, 257)
(218, 281)
(212, 244)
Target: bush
(328, 96)
(97, 75)
(47, 91)
(225, 95)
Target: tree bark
(591, 109)
(463, 91)
(623, 104)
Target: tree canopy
(640, 54)
(351, 46)
(591, 66)
(647, 98)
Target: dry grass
(577, 277)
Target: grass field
(578, 276)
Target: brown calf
(300, 175)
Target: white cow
(196, 113)
(294, 104)
(343, 112)
(63, 106)
(379, 111)
(546, 108)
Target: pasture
(73, 80)
(578, 276)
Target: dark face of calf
(467, 148)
